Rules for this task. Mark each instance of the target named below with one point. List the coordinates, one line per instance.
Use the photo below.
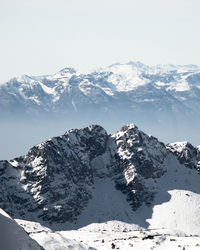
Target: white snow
(124, 236)
(57, 241)
(179, 86)
(179, 146)
(126, 77)
(107, 204)
(74, 105)
(48, 90)
(14, 163)
(178, 200)
(181, 213)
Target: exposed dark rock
(54, 181)
(187, 154)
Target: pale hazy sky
(44, 36)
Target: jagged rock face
(54, 181)
(56, 176)
(141, 157)
(186, 153)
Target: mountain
(133, 88)
(163, 100)
(88, 176)
(13, 237)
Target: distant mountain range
(163, 100)
(163, 92)
(94, 181)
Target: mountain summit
(88, 176)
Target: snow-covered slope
(87, 176)
(13, 236)
(112, 235)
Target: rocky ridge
(54, 182)
(186, 153)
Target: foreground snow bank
(12, 235)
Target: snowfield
(113, 235)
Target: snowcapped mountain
(163, 100)
(132, 88)
(87, 176)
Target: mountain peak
(137, 64)
(94, 128)
(180, 146)
(67, 70)
(77, 179)
(129, 127)
(187, 154)
(134, 64)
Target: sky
(40, 37)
